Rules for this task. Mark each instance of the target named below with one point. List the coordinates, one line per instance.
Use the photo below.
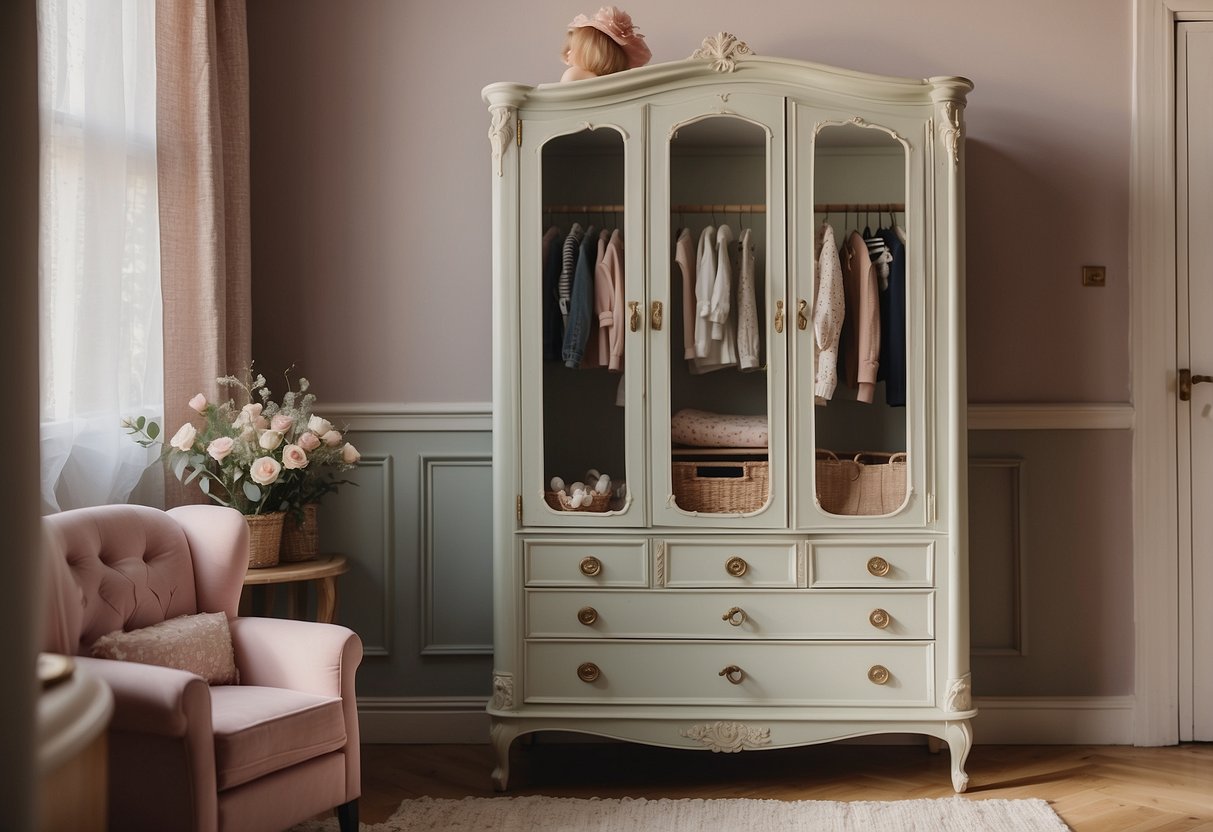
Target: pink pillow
(200, 644)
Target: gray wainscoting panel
(418, 532)
(996, 523)
(457, 592)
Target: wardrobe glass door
(718, 427)
(582, 351)
(859, 323)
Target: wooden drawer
(585, 563)
(728, 563)
(870, 563)
(772, 673)
(759, 614)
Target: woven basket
(721, 487)
(300, 540)
(264, 538)
(864, 485)
(563, 502)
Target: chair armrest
(298, 655)
(149, 699)
(219, 549)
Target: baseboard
(1053, 720)
(1012, 720)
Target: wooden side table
(323, 570)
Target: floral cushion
(200, 644)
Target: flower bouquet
(262, 458)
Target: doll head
(603, 44)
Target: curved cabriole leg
(502, 736)
(960, 740)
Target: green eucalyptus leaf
(252, 491)
(205, 485)
(140, 422)
(153, 429)
(180, 460)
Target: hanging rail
(730, 208)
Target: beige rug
(559, 814)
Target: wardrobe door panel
(582, 351)
(718, 428)
(861, 335)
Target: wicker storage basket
(300, 540)
(563, 502)
(866, 484)
(264, 538)
(721, 487)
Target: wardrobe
(720, 556)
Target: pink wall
(371, 174)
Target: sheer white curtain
(100, 327)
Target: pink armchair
(260, 756)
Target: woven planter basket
(300, 541)
(264, 538)
(867, 485)
(563, 502)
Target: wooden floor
(1097, 788)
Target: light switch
(1094, 276)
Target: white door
(1194, 240)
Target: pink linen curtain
(202, 135)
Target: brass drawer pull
(634, 315)
(879, 619)
(735, 616)
(802, 318)
(733, 673)
(655, 315)
(736, 566)
(587, 615)
(878, 674)
(779, 316)
(588, 672)
(591, 566)
(878, 566)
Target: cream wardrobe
(704, 555)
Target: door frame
(1152, 301)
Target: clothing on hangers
(748, 357)
(553, 321)
(580, 301)
(829, 311)
(684, 256)
(893, 333)
(564, 286)
(861, 326)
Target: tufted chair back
(131, 566)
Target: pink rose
(220, 448)
(265, 470)
(309, 441)
(281, 422)
(270, 439)
(261, 423)
(294, 456)
(183, 439)
(349, 454)
(253, 409)
(198, 403)
(331, 438)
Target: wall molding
(1019, 501)
(1002, 720)
(478, 416)
(386, 558)
(1051, 416)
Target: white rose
(331, 438)
(270, 439)
(265, 470)
(294, 456)
(253, 409)
(183, 439)
(349, 454)
(198, 403)
(319, 426)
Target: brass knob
(655, 315)
(878, 566)
(587, 615)
(802, 317)
(590, 566)
(779, 316)
(736, 566)
(879, 619)
(588, 672)
(634, 316)
(735, 616)
(878, 674)
(733, 673)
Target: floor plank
(1096, 788)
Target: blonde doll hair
(593, 51)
